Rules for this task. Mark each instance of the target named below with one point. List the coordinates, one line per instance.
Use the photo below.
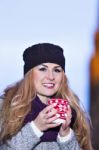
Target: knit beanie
(43, 53)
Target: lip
(49, 85)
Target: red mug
(62, 106)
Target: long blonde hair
(82, 125)
(17, 104)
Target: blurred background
(74, 25)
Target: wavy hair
(17, 104)
(82, 125)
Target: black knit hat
(43, 53)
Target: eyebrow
(47, 66)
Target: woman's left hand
(64, 129)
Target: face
(47, 79)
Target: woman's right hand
(45, 118)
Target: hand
(64, 129)
(45, 118)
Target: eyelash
(44, 69)
(57, 70)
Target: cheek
(59, 80)
(35, 79)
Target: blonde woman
(26, 119)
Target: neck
(43, 99)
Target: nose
(50, 75)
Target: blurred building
(94, 89)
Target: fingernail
(57, 115)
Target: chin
(50, 95)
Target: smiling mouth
(49, 85)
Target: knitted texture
(43, 53)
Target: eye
(57, 70)
(42, 69)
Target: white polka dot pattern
(62, 106)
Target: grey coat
(26, 139)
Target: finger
(68, 119)
(51, 113)
(48, 108)
(53, 125)
(64, 125)
(68, 108)
(69, 112)
(50, 120)
(68, 115)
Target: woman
(27, 121)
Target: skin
(47, 80)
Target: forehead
(49, 65)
